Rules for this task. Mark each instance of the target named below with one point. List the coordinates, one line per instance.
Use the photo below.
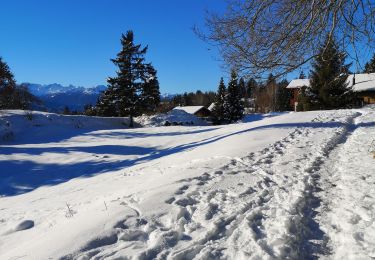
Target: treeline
(251, 96)
(197, 98)
(271, 95)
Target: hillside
(284, 186)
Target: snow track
(348, 213)
(262, 206)
(303, 190)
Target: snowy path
(349, 212)
(297, 186)
(261, 206)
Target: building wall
(294, 98)
(204, 112)
(368, 97)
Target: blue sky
(72, 41)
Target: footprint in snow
(24, 225)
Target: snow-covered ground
(284, 186)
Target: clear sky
(72, 41)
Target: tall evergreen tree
(150, 91)
(234, 105)
(124, 91)
(219, 111)
(329, 89)
(7, 86)
(370, 65)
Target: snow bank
(14, 123)
(174, 117)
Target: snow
(276, 186)
(211, 107)
(189, 109)
(174, 117)
(298, 83)
(363, 82)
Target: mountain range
(55, 97)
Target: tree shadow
(61, 135)
(123, 134)
(22, 176)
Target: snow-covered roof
(363, 82)
(299, 83)
(189, 109)
(211, 107)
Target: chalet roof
(299, 83)
(363, 82)
(189, 109)
(211, 107)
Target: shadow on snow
(21, 176)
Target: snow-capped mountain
(167, 96)
(56, 97)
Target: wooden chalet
(363, 84)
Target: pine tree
(283, 96)
(23, 99)
(242, 87)
(219, 111)
(125, 90)
(13, 96)
(251, 86)
(7, 86)
(150, 91)
(233, 105)
(329, 89)
(370, 66)
(104, 105)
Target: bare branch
(279, 36)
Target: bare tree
(278, 36)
